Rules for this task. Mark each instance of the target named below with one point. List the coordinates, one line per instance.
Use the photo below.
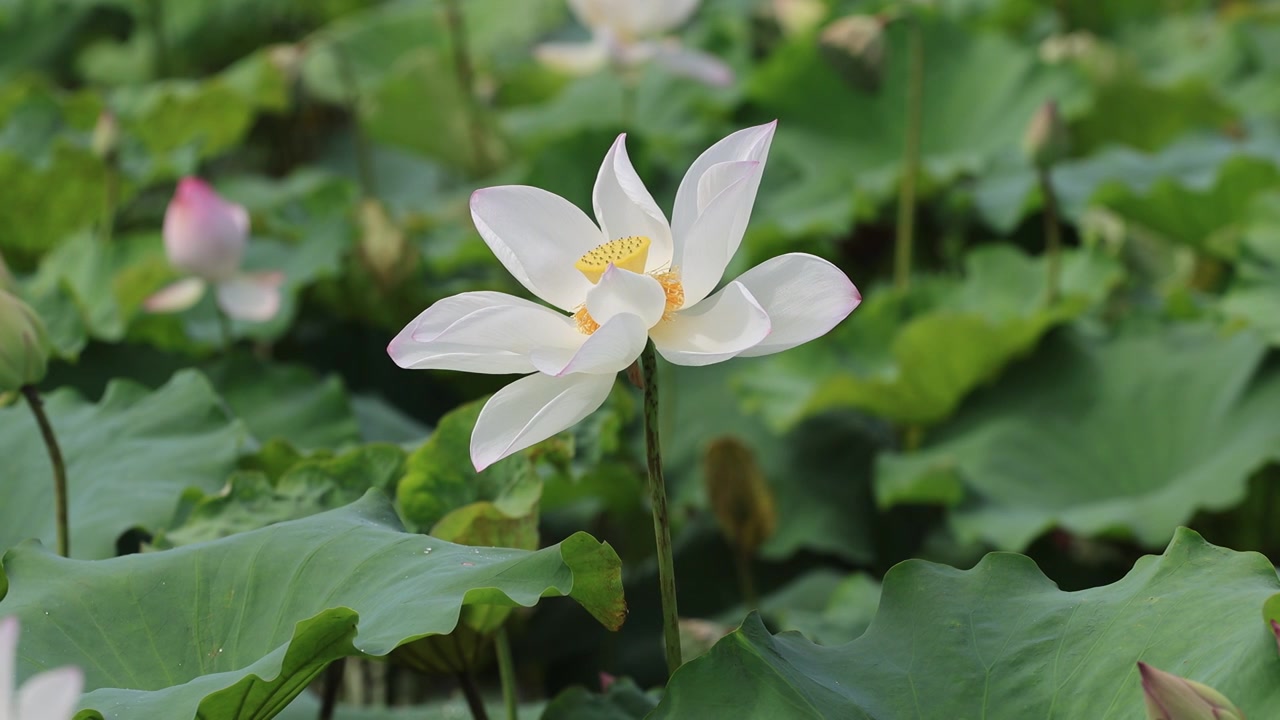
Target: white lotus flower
(633, 277)
(50, 695)
(206, 236)
(628, 33)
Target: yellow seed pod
(740, 497)
(628, 253)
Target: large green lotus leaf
(827, 607)
(1201, 180)
(1254, 293)
(129, 457)
(307, 707)
(833, 157)
(1128, 436)
(287, 402)
(236, 628)
(255, 499)
(912, 358)
(623, 700)
(1002, 641)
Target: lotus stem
(910, 157)
(59, 468)
(506, 672)
(475, 701)
(1052, 235)
(746, 579)
(456, 22)
(661, 518)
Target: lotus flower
(205, 235)
(627, 33)
(631, 277)
(50, 695)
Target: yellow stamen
(586, 324)
(628, 253)
(670, 282)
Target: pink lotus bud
(204, 234)
(1170, 697)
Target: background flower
(50, 695)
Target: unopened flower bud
(204, 234)
(699, 636)
(1170, 697)
(1275, 630)
(24, 344)
(1045, 141)
(106, 135)
(740, 497)
(855, 47)
(797, 17)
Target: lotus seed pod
(1169, 697)
(1045, 141)
(739, 495)
(854, 46)
(24, 344)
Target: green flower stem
(506, 671)
(155, 16)
(475, 701)
(661, 519)
(364, 153)
(746, 579)
(910, 157)
(1052, 234)
(466, 82)
(59, 469)
(224, 330)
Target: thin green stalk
(471, 691)
(628, 98)
(364, 152)
(910, 157)
(661, 518)
(466, 82)
(506, 672)
(1052, 235)
(224, 330)
(746, 579)
(59, 469)
(155, 16)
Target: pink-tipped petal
(706, 248)
(481, 332)
(609, 350)
(624, 206)
(51, 695)
(622, 291)
(716, 329)
(537, 236)
(204, 234)
(533, 409)
(252, 297)
(805, 297)
(176, 297)
(748, 144)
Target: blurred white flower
(633, 277)
(206, 236)
(50, 695)
(628, 33)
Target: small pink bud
(204, 234)
(1170, 697)
(1275, 630)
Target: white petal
(51, 695)
(253, 296)
(805, 297)
(634, 18)
(481, 332)
(714, 330)
(609, 350)
(622, 291)
(176, 297)
(749, 144)
(624, 206)
(701, 66)
(581, 58)
(710, 243)
(533, 409)
(538, 236)
(8, 662)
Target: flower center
(670, 282)
(628, 253)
